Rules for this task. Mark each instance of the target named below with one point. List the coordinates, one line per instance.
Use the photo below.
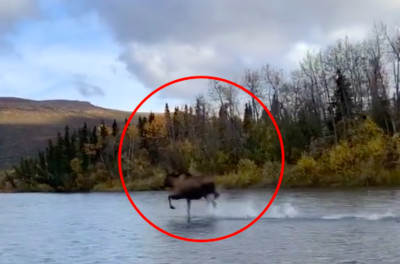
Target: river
(301, 226)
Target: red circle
(222, 237)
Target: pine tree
(342, 98)
(248, 118)
(151, 117)
(177, 123)
(43, 176)
(186, 122)
(168, 123)
(200, 118)
(85, 133)
(103, 130)
(114, 128)
(141, 124)
(223, 125)
(67, 139)
(68, 144)
(93, 137)
(275, 107)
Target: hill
(27, 125)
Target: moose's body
(185, 186)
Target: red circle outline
(217, 238)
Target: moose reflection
(186, 186)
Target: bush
(270, 173)
(246, 175)
(306, 171)
(154, 182)
(84, 182)
(364, 159)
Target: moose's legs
(211, 200)
(173, 197)
(188, 209)
(214, 203)
(177, 197)
(216, 195)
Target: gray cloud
(87, 89)
(155, 21)
(13, 11)
(164, 40)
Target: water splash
(248, 210)
(363, 216)
(285, 210)
(243, 210)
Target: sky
(114, 53)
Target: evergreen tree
(85, 133)
(168, 123)
(114, 128)
(342, 98)
(69, 144)
(93, 137)
(103, 130)
(275, 107)
(177, 124)
(151, 117)
(248, 120)
(223, 126)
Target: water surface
(302, 226)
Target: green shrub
(305, 172)
(154, 182)
(270, 173)
(246, 175)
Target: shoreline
(272, 188)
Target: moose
(186, 186)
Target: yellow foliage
(83, 182)
(271, 172)
(368, 142)
(358, 160)
(186, 147)
(99, 175)
(156, 129)
(132, 132)
(76, 165)
(340, 158)
(307, 164)
(247, 174)
(154, 182)
(306, 171)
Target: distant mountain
(27, 125)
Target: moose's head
(169, 179)
(172, 177)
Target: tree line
(336, 97)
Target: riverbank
(245, 178)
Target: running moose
(186, 186)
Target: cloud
(87, 89)
(354, 33)
(164, 40)
(297, 51)
(128, 45)
(193, 21)
(13, 11)
(162, 63)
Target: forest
(339, 116)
